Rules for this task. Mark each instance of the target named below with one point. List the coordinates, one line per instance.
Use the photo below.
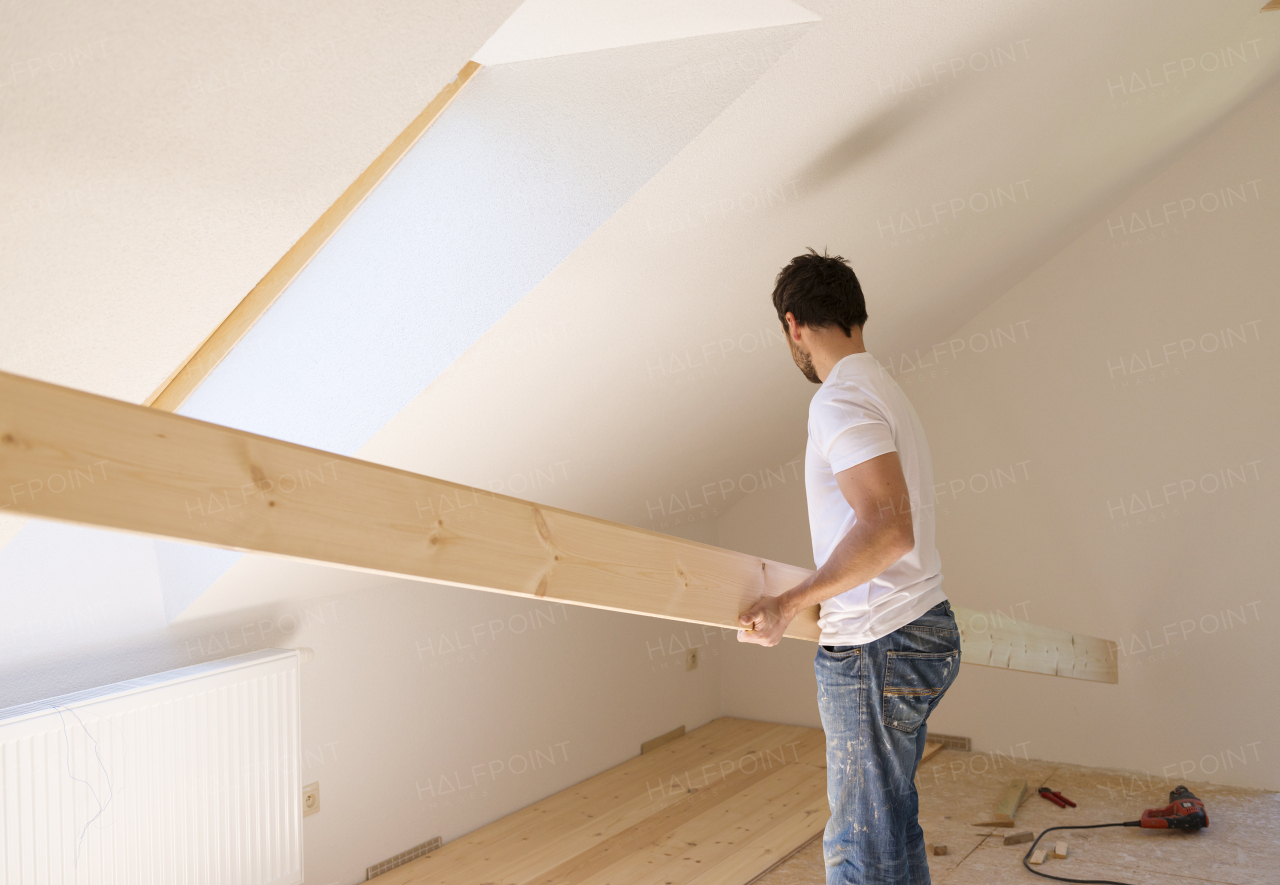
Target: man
(889, 647)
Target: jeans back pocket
(913, 684)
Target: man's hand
(765, 622)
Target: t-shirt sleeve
(848, 432)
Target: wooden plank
(678, 796)
(640, 846)
(611, 803)
(77, 457)
(731, 827)
(774, 846)
(931, 749)
(776, 859)
(170, 395)
(1274, 4)
(751, 836)
(655, 743)
(993, 639)
(614, 821)
(1010, 799)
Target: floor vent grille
(402, 858)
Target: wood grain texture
(165, 475)
(1009, 800)
(197, 367)
(77, 457)
(994, 640)
(722, 804)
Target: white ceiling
(546, 28)
(159, 158)
(879, 114)
(687, 265)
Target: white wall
(774, 684)
(422, 707)
(395, 708)
(1113, 526)
(425, 705)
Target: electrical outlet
(691, 659)
(310, 799)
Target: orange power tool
(1184, 812)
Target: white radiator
(181, 778)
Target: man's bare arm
(877, 492)
(883, 534)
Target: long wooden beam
(175, 390)
(82, 458)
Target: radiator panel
(186, 777)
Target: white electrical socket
(310, 799)
(691, 659)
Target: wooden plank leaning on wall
(188, 376)
(73, 456)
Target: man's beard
(804, 361)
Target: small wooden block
(1018, 838)
(655, 743)
(1007, 804)
(1060, 850)
(1038, 857)
(939, 850)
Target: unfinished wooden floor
(722, 804)
(1241, 846)
(737, 802)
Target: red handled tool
(1184, 812)
(1056, 798)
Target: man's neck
(831, 346)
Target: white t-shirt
(860, 412)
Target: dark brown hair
(821, 290)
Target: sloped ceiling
(159, 158)
(945, 149)
(644, 379)
(547, 28)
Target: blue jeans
(874, 700)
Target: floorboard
(719, 806)
(737, 802)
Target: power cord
(1063, 878)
